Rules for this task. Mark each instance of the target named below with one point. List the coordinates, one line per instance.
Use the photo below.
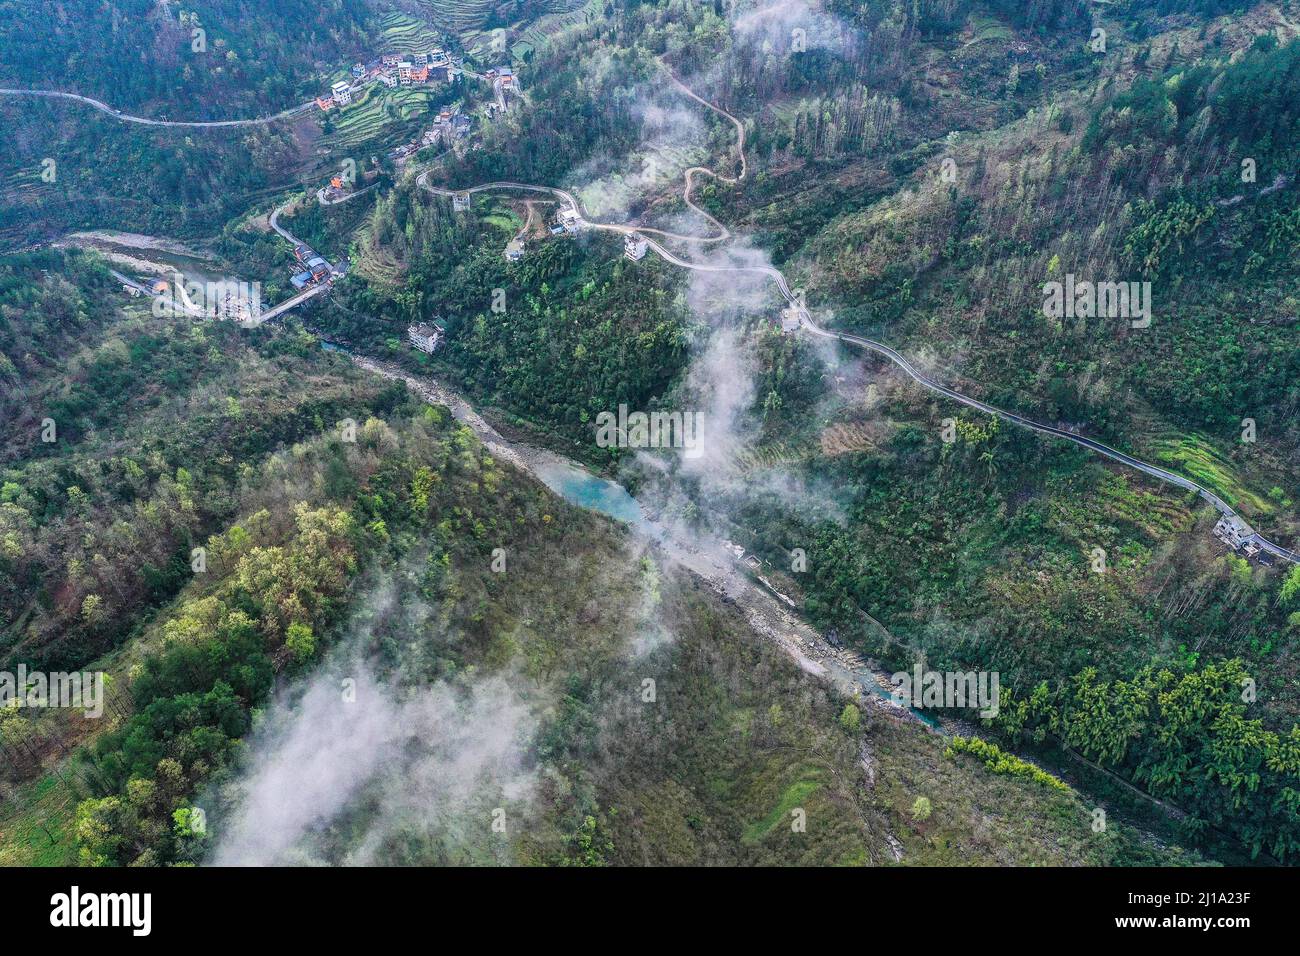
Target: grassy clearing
(659, 165)
(36, 827)
(1200, 461)
(792, 798)
(985, 28)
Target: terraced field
(543, 30)
(405, 34)
(371, 115)
(458, 15)
(467, 17)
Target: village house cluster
(393, 70)
(313, 267)
(450, 126)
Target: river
(705, 556)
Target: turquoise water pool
(597, 494)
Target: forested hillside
(376, 552)
(920, 172)
(154, 429)
(1124, 160)
(211, 59)
(67, 165)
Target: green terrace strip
(999, 761)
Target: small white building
(425, 336)
(404, 72)
(387, 79)
(634, 247)
(570, 219)
(1236, 534)
(515, 250)
(791, 318)
(460, 202)
(342, 93)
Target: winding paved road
(145, 121)
(723, 232)
(1092, 444)
(805, 321)
(282, 232)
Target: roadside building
(791, 318)
(634, 247)
(358, 70)
(341, 93)
(301, 280)
(404, 72)
(460, 202)
(320, 269)
(302, 252)
(325, 103)
(1232, 530)
(425, 336)
(507, 78)
(570, 220)
(515, 250)
(1236, 534)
